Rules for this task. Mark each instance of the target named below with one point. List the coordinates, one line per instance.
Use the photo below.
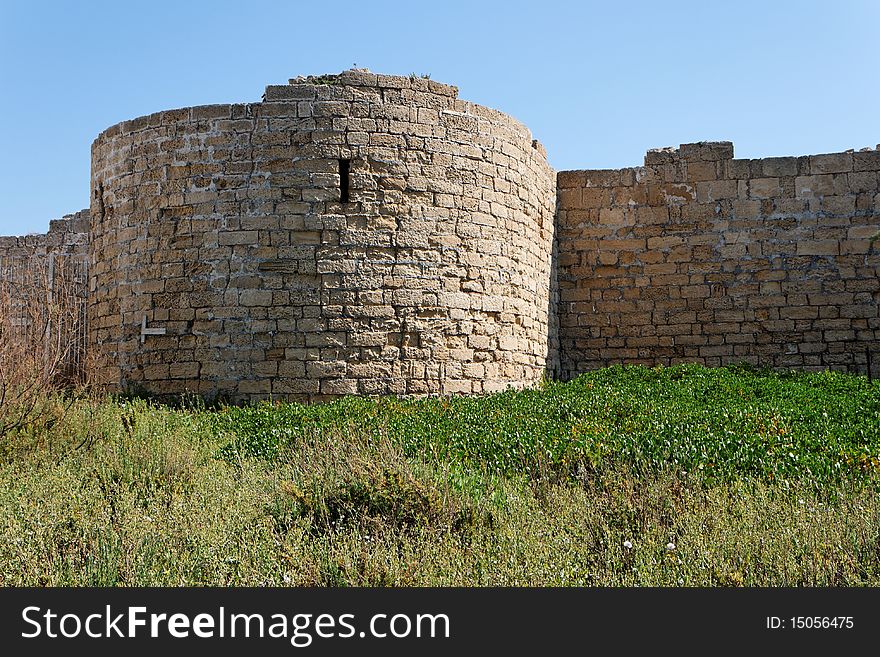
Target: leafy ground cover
(625, 476)
(723, 422)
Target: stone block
(775, 167)
(701, 171)
(761, 188)
(255, 298)
(831, 163)
(716, 190)
(813, 186)
(709, 151)
(799, 312)
(324, 369)
(571, 179)
(818, 247)
(671, 194)
(866, 161)
(230, 238)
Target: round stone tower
(351, 234)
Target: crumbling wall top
(705, 151)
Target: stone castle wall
(43, 262)
(44, 286)
(697, 256)
(66, 236)
(369, 234)
(227, 228)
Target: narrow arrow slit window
(344, 175)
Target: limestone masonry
(371, 234)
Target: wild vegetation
(626, 476)
(41, 325)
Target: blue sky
(597, 82)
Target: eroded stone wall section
(227, 228)
(44, 289)
(66, 236)
(697, 256)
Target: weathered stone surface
(445, 234)
(457, 261)
(751, 268)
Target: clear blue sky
(597, 82)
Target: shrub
(342, 482)
(41, 330)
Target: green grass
(723, 422)
(757, 478)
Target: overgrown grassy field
(626, 476)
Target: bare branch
(42, 340)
